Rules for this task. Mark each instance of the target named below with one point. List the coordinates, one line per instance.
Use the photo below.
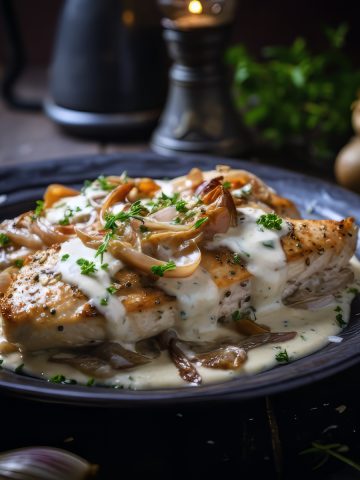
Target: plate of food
(146, 280)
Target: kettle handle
(15, 61)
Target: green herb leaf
(181, 206)
(87, 268)
(339, 316)
(103, 248)
(19, 263)
(40, 205)
(105, 266)
(69, 212)
(227, 185)
(104, 301)
(161, 269)
(270, 221)
(282, 357)
(19, 369)
(65, 257)
(90, 382)
(111, 289)
(104, 184)
(269, 244)
(237, 258)
(4, 240)
(199, 222)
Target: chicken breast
(40, 311)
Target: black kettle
(107, 75)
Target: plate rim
(37, 389)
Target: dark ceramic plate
(21, 185)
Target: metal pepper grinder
(199, 115)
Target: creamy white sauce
(198, 302)
(73, 208)
(261, 250)
(94, 286)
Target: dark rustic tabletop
(248, 439)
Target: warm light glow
(128, 18)
(195, 7)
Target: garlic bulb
(347, 165)
(44, 463)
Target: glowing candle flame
(195, 7)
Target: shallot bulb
(44, 463)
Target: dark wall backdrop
(258, 23)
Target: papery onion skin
(44, 463)
(55, 192)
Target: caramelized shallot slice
(55, 192)
(257, 340)
(102, 360)
(231, 357)
(186, 369)
(21, 235)
(116, 196)
(85, 363)
(118, 357)
(249, 327)
(47, 232)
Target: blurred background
(293, 75)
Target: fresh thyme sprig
(330, 450)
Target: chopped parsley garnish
(104, 301)
(161, 269)
(353, 290)
(4, 240)
(165, 201)
(69, 212)
(105, 266)
(19, 368)
(227, 185)
(105, 184)
(339, 316)
(236, 258)
(40, 205)
(62, 379)
(282, 357)
(65, 257)
(269, 244)
(19, 263)
(199, 222)
(111, 289)
(87, 268)
(181, 206)
(90, 382)
(248, 313)
(270, 221)
(237, 315)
